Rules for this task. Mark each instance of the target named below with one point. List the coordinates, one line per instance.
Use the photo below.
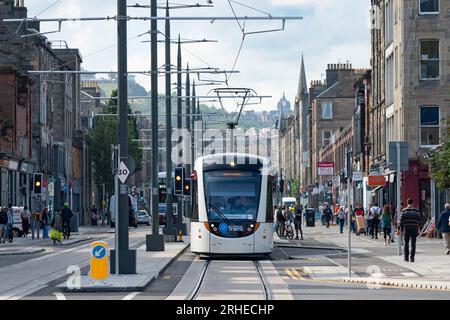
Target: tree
(100, 139)
(295, 188)
(439, 163)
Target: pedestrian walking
(67, 214)
(322, 216)
(410, 226)
(36, 223)
(341, 218)
(25, 216)
(3, 223)
(369, 220)
(386, 219)
(327, 214)
(94, 217)
(375, 212)
(298, 222)
(45, 221)
(444, 226)
(10, 224)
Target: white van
(133, 214)
(288, 201)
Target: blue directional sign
(99, 252)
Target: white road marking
(60, 296)
(131, 296)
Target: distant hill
(144, 106)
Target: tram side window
(194, 201)
(269, 204)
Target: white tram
(232, 209)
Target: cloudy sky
(332, 31)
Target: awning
(375, 190)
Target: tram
(232, 205)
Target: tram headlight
(215, 229)
(249, 230)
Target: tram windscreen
(232, 195)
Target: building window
(389, 23)
(389, 82)
(429, 6)
(326, 138)
(429, 59)
(429, 126)
(327, 110)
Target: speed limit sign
(123, 172)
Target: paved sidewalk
(149, 266)
(27, 246)
(431, 269)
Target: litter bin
(310, 217)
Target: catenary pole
(155, 241)
(126, 257)
(168, 230)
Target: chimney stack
(20, 3)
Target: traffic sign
(123, 172)
(99, 260)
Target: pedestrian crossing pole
(349, 216)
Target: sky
(331, 31)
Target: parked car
(162, 214)
(143, 217)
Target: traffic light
(187, 187)
(179, 181)
(281, 185)
(37, 183)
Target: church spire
(302, 85)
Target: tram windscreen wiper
(219, 213)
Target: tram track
(196, 292)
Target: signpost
(357, 176)
(123, 172)
(398, 160)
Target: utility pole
(155, 241)
(193, 118)
(349, 215)
(188, 127)
(124, 260)
(169, 230)
(179, 126)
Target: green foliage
(295, 188)
(100, 139)
(439, 163)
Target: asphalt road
(238, 278)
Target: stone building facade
(411, 54)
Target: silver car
(143, 217)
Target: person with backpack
(281, 219)
(444, 226)
(94, 217)
(67, 214)
(410, 222)
(375, 211)
(328, 214)
(298, 222)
